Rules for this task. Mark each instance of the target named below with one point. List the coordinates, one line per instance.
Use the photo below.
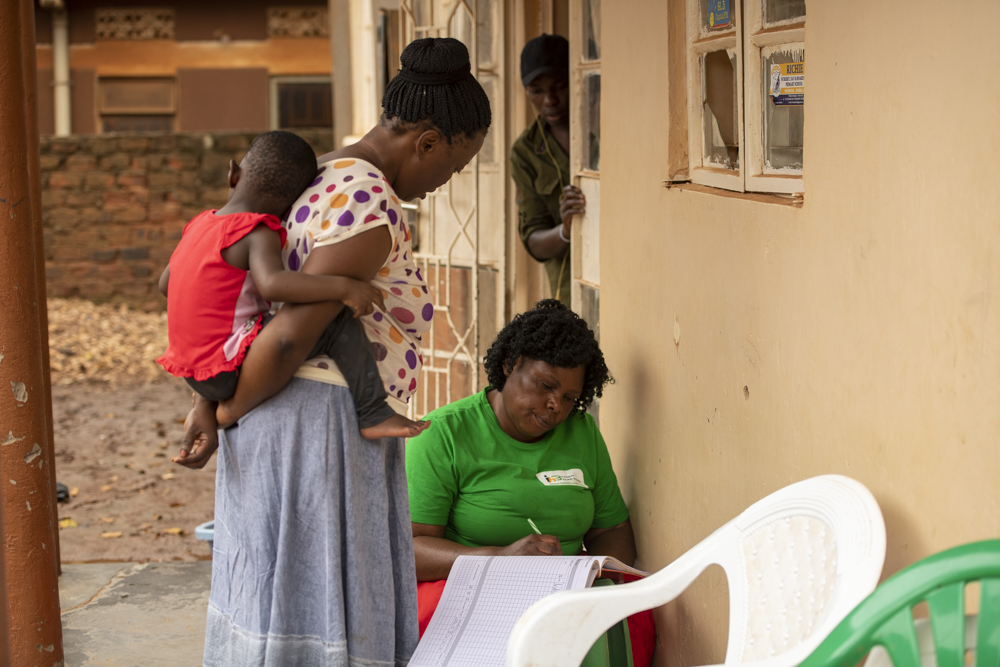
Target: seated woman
(523, 448)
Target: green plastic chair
(885, 618)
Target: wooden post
(27, 494)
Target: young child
(227, 268)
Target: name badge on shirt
(572, 477)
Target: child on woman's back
(227, 268)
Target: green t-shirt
(466, 474)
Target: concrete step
(132, 614)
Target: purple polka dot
(321, 170)
(348, 179)
(399, 394)
(315, 213)
(411, 359)
(293, 261)
(314, 199)
(392, 387)
(428, 312)
(392, 216)
(318, 180)
(323, 364)
(331, 187)
(361, 196)
(404, 256)
(382, 205)
(373, 175)
(419, 277)
(346, 219)
(302, 214)
(411, 331)
(402, 314)
(377, 316)
(424, 288)
(379, 351)
(408, 271)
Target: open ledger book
(484, 597)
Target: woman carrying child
(313, 559)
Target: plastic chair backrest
(796, 561)
(885, 618)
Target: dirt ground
(118, 420)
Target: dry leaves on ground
(107, 343)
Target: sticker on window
(572, 477)
(787, 84)
(718, 13)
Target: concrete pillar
(60, 71)
(31, 115)
(26, 491)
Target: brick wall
(114, 206)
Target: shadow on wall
(113, 206)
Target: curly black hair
(552, 333)
(279, 166)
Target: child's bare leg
(396, 426)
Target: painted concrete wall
(759, 344)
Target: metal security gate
(460, 227)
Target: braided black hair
(436, 85)
(279, 166)
(552, 333)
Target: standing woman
(313, 557)
(539, 162)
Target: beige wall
(865, 325)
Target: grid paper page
(484, 597)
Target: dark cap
(545, 54)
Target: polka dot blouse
(349, 197)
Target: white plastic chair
(797, 562)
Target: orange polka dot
(416, 292)
(339, 200)
(395, 336)
(325, 224)
(384, 272)
(385, 295)
(394, 200)
(343, 164)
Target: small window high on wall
(746, 94)
(137, 104)
(301, 102)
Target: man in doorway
(546, 201)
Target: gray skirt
(313, 557)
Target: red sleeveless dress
(214, 310)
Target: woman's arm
(286, 341)
(435, 555)
(617, 541)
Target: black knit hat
(545, 54)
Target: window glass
(784, 10)
(303, 105)
(784, 115)
(591, 114)
(717, 15)
(591, 29)
(720, 114)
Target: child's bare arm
(165, 280)
(275, 283)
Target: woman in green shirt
(523, 448)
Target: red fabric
(203, 294)
(641, 627)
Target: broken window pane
(784, 10)
(592, 29)
(784, 100)
(592, 121)
(719, 113)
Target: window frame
(106, 111)
(274, 102)
(751, 38)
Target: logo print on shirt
(572, 477)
